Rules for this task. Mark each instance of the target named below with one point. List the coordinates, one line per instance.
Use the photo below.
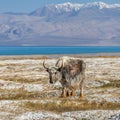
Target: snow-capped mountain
(101, 5)
(71, 7)
(56, 9)
(94, 23)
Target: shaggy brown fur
(70, 73)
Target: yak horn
(44, 65)
(61, 65)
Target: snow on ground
(9, 85)
(37, 116)
(78, 115)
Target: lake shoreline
(45, 56)
(84, 50)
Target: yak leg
(83, 79)
(68, 92)
(73, 92)
(63, 92)
(82, 85)
(81, 90)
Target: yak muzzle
(51, 81)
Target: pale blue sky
(30, 5)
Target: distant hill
(94, 23)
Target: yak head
(54, 73)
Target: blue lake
(58, 50)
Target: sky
(27, 6)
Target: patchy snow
(37, 116)
(9, 85)
(99, 71)
(92, 115)
(33, 87)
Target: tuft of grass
(20, 79)
(18, 94)
(85, 119)
(115, 83)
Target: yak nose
(51, 81)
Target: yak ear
(59, 69)
(47, 70)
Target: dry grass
(70, 105)
(19, 94)
(47, 98)
(34, 57)
(115, 83)
(20, 79)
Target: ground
(26, 94)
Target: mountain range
(66, 24)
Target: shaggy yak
(70, 72)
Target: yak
(70, 72)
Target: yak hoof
(62, 96)
(72, 94)
(81, 95)
(68, 94)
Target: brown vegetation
(71, 105)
